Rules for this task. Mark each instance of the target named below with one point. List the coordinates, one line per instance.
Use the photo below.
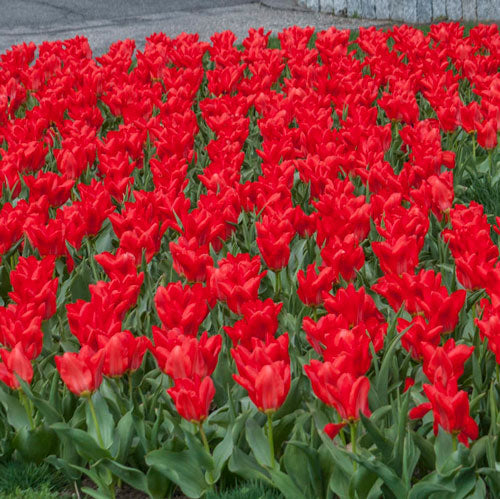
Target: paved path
(106, 21)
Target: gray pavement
(106, 21)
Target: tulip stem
(270, 438)
(354, 427)
(96, 423)
(90, 253)
(207, 448)
(474, 147)
(130, 387)
(454, 440)
(278, 283)
(27, 407)
(497, 370)
(315, 313)
(204, 437)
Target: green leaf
(411, 456)
(16, 414)
(464, 483)
(398, 450)
(426, 450)
(382, 443)
(222, 453)
(134, 477)
(203, 458)
(86, 446)
(478, 448)
(46, 410)
(104, 419)
(382, 379)
(102, 488)
(286, 485)
(258, 442)
(181, 468)
(424, 488)
(80, 283)
(35, 444)
(123, 437)
(362, 482)
(64, 466)
(302, 464)
(339, 482)
(95, 493)
(157, 485)
(340, 456)
(390, 479)
(246, 466)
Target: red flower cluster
(102, 152)
(443, 366)
(34, 296)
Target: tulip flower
(347, 393)
(182, 306)
(190, 259)
(182, 356)
(123, 353)
(32, 283)
(264, 371)
(312, 285)
(82, 371)
(192, 397)
(451, 412)
(260, 320)
(15, 362)
(236, 280)
(273, 239)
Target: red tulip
(312, 285)
(182, 356)
(117, 266)
(264, 371)
(273, 238)
(451, 412)
(181, 306)
(260, 320)
(82, 371)
(348, 394)
(15, 362)
(236, 280)
(190, 259)
(123, 353)
(192, 397)
(32, 283)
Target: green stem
(278, 283)
(354, 427)
(454, 440)
(91, 259)
(497, 370)
(27, 407)
(270, 437)
(474, 147)
(130, 387)
(342, 437)
(207, 448)
(94, 418)
(490, 159)
(315, 314)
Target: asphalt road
(106, 21)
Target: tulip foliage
(274, 262)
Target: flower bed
(272, 264)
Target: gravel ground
(106, 22)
